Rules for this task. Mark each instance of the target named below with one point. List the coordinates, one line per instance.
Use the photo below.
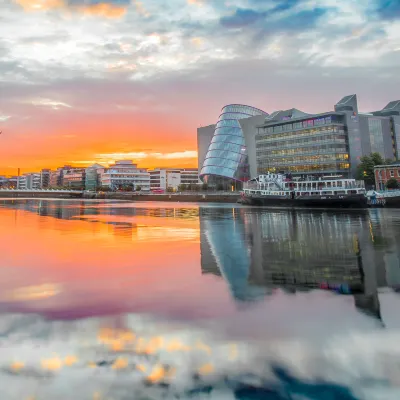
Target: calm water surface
(116, 300)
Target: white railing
(40, 190)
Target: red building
(385, 172)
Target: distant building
(93, 177)
(29, 181)
(124, 174)
(74, 178)
(33, 181)
(164, 178)
(57, 177)
(3, 181)
(385, 172)
(45, 178)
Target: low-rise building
(74, 178)
(33, 181)
(385, 172)
(124, 174)
(3, 181)
(45, 178)
(172, 178)
(93, 177)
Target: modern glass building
(304, 146)
(226, 160)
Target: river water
(116, 300)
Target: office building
(45, 178)
(33, 181)
(226, 161)
(3, 181)
(385, 172)
(74, 178)
(164, 178)
(328, 143)
(125, 174)
(93, 177)
(57, 177)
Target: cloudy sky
(97, 80)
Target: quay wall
(168, 197)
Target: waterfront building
(74, 178)
(385, 172)
(328, 143)
(21, 185)
(226, 161)
(57, 177)
(164, 178)
(45, 178)
(3, 181)
(125, 174)
(93, 177)
(33, 181)
(204, 137)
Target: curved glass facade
(227, 154)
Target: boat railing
(390, 193)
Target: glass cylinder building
(226, 160)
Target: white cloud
(4, 118)
(55, 105)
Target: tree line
(365, 170)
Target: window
(391, 173)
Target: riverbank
(168, 197)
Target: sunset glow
(96, 81)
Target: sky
(84, 81)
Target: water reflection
(258, 252)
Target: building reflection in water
(259, 251)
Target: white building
(30, 181)
(163, 178)
(124, 173)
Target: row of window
(304, 159)
(303, 150)
(294, 134)
(304, 168)
(315, 141)
(298, 125)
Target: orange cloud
(103, 9)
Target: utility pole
(19, 171)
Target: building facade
(93, 177)
(45, 178)
(385, 172)
(164, 178)
(124, 174)
(303, 146)
(226, 160)
(74, 178)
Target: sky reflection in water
(192, 296)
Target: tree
(204, 186)
(182, 187)
(365, 170)
(392, 184)
(138, 188)
(170, 189)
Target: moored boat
(284, 191)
